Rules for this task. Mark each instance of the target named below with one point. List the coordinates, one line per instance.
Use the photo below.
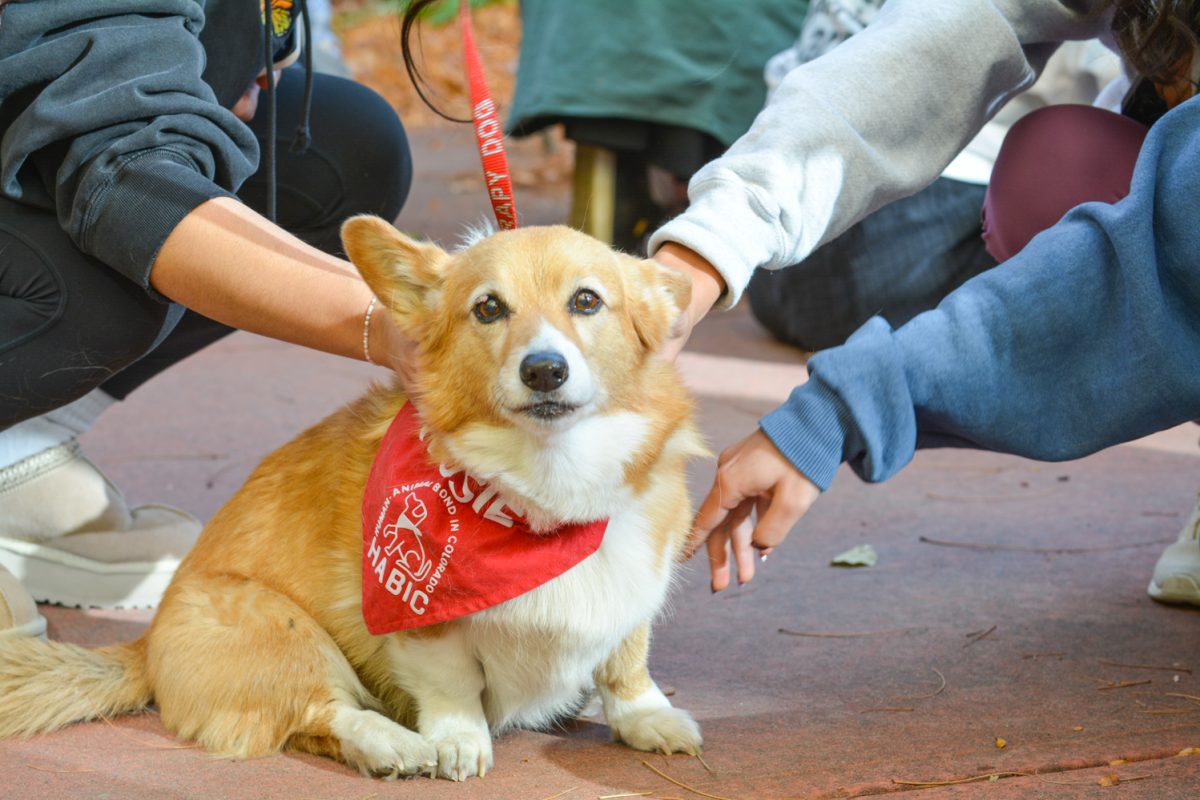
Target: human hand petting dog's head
(707, 288)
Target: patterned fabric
(828, 24)
(284, 31)
(281, 16)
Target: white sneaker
(68, 536)
(1177, 573)
(18, 613)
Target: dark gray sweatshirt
(115, 114)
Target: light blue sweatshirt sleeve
(1088, 337)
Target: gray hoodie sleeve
(874, 120)
(106, 120)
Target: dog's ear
(657, 295)
(403, 273)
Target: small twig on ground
(59, 771)
(626, 794)
(563, 792)
(985, 498)
(681, 784)
(991, 776)
(854, 635)
(704, 763)
(934, 693)
(979, 636)
(1052, 550)
(1106, 780)
(1192, 697)
(1123, 685)
(1144, 666)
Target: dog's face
(536, 328)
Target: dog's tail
(45, 686)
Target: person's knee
(368, 141)
(32, 295)
(358, 160)
(1052, 160)
(775, 304)
(382, 148)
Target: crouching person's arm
(1088, 337)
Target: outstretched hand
(753, 478)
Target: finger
(786, 508)
(761, 504)
(718, 559)
(713, 511)
(744, 553)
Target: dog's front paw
(463, 754)
(664, 730)
(381, 748)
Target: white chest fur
(574, 475)
(538, 651)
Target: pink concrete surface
(1025, 618)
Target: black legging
(69, 324)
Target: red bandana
(439, 544)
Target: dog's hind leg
(638, 713)
(245, 671)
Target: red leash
(488, 132)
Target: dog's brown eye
(585, 301)
(490, 309)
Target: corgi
(537, 378)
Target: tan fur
(259, 644)
(624, 673)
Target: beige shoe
(18, 613)
(1177, 573)
(67, 534)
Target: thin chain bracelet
(367, 331)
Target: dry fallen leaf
(1077, 728)
(1116, 762)
(1189, 751)
(1109, 780)
(1001, 743)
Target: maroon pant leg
(1051, 161)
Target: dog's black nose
(543, 372)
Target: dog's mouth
(547, 410)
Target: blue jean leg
(898, 262)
